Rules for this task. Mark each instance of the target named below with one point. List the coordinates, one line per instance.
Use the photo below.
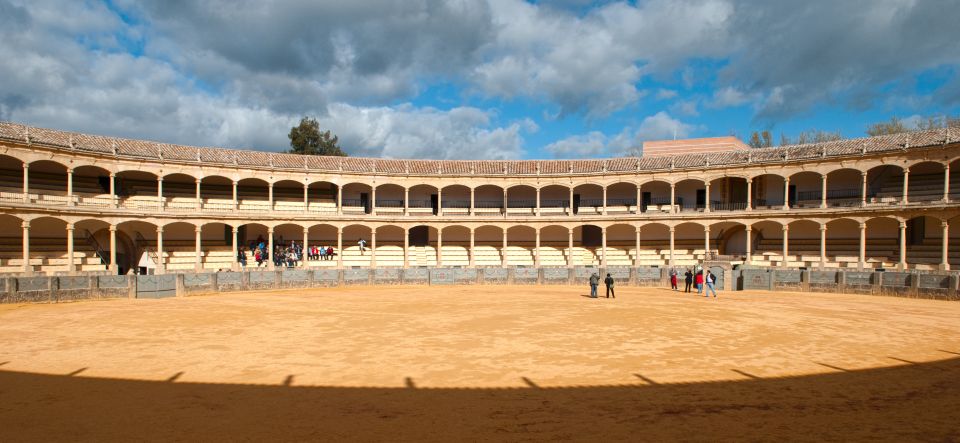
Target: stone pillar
(236, 248)
(823, 192)
(26, 183)
(270, 251)
(863, 188)
(406, 246)
(786, 242)
(603, 245)
(439, 247)
(113, 190)
(569, 247)
(749, 248)
(199, 201)
(472, 244)
(70, 260)
(406, 201)
(197, 263)
(505, 191)
(339, 246)
(537, 210)
(637, 210)
(946, 183)
(306, 245)
(373, 200)
(786, 193)
(373, 248)
(160, 202)
(536, 250)
(863, 246)
(706, 243)
(339, 201)
(306, 197)
(672, 231)
(636, 256)
(236, 204)
(823, 246)
(472, 192)
(903, 246)
(604, 200)
(113, 248)
(571, 203)
(270, 199)
(706, 199)
(503, 260)
(906, 186)
(673, 200)
(70, 187)
(945, 258)
(160, 264)
(440, 201)
(750, 193)
(26, 247)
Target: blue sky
(491, 79)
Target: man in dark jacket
(594, 282)
(609, 282)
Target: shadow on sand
(906, 402)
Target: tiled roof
(190, 154)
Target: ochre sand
(482, 362)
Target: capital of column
(160, 179)
(672, 229)
(235, 230)
(25, 224)
(26, 166)
(305, 230)
(69, 226)
(823, 228)
(786, 228)
(197, 180)
(706, 229)
(198, 229)
(113, 228)
(235, 182)
(160, 230)
(944, 225)
(863, 226)
(903, 225)
(69, 171)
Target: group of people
(595, 281)
(703, 279)
(283, 254)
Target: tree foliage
(897, 125)
(306, 138)
(761, 139)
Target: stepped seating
(841, 253)
(48, 255)
(922, 187)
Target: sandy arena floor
(475, 363)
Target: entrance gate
(156, 286)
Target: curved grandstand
(73, 203)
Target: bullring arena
(467, 315)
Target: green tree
(307, 139)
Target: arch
(253, 195)
(521, 245)
(322, 236)
(423, 200)
(390, 198)
(455, 247)
(621, 197)
(655, 196)
(621, 244)
(352, 253)
(923, 240)
(216, 193)
(423, 245)
(456, 199)
(843, 242)
(288, 195)
(926, 181)
(690, 194)
(806, 189)
(588, 199)
(488, 246)
(554, 245)
(521, 200)
(389, 247)
(844, 187)
(803, 243)
(885, 184)
(47, 180)
(488, 199)
(728, 193)
(322, 197)
(768, 191)
(767, 243)
(356, 198)
(728, 238)
(555, 199)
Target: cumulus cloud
(659, 126)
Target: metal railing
(92, 242)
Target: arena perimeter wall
(943, 286)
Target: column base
(944, 267)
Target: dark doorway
(365, 202)
(916, 231)
(645, 199)
(434, 203)
(419, 236)
(576, 203)
(792, 196)
(701, 198)
(592, 236)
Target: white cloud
(592, 144)
(659, 126)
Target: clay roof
(714, 156)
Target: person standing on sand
(699, 280)
(673, 279)
(709, 280)
(609, 282)
(688, 279)
(594, 282)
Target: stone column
(70, 187)
(339, 247)
(603, 246)
(569, 247)
(823, 192)
(306, 197)
(197, 263)
(636, 256)
(604, 200)
(406, 201)
(823, 246)
(113, 248)
(373, 200)
(236, 204)
(199, 201)
(236, 248)
(160, 264)
(472, 245)
(786, 242)
(750, 194)
(786, 193)
(536, 250)
(945, 257)
(406, 247)
(270, 251)
(339, 201)
(70, 261)
(637, 210)
(906, 186)
(863, 246)
(706, 243)
(440, 201)
(270, 199)
(903, 245)
(306, 245)
(373, 248)
(537, 211)
(672, 231)
(503, 260)
(505, 191)
(863, 190)
(439, 246)
(160, 202)
(673, 200)
(706, 199)
(946, 183)
(26, 247)
(113, 190)
(26, 183)
(571, 203)
(749, 248)
(472, 192)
